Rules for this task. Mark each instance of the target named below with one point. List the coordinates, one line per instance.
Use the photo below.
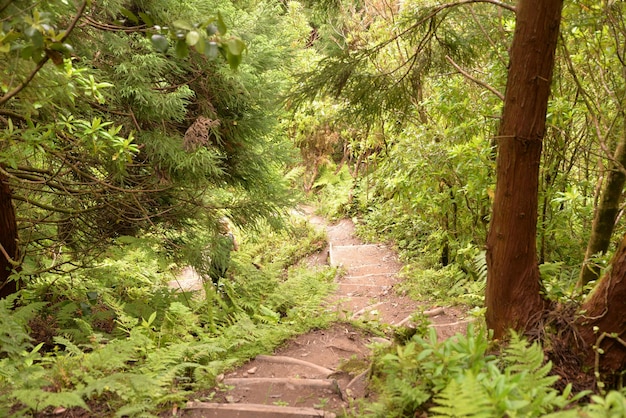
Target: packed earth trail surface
(324, 372)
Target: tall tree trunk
(603, 317)
(513, 296)
(8, 239)
(606, 213)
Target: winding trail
(322, 373)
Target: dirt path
(322, 373)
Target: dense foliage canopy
(119, 134)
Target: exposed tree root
(367, 308)
(428, 313)
(290, 360)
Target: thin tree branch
(12, 114)
(25, 82)
(115, 28)
(8, 257)
(474, 79)
(52, 208)
(438, 9)
(491, 41)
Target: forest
(484, 140)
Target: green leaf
(66, 49)
(182, 49)
(201, 46)
(34, 36)
(129, 15)
(235, 46)
(233, 60)
(221, 26)
(9, 37)
(146, 19)
(234, 49)
(36, 54)
(192, 37)
(182, 24)
(159, 42)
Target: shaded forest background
(131, 128)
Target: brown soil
(278, 386)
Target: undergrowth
(468, 376)
(333, 195)
(114, 340)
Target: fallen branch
(428, 313)
(257, 410)
(453, 324)
(367, 308)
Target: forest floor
(324, 373)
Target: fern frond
(14, 338)
(70, 347)
(463, 398)
(480, 266)
(529, 360)
(39, 399)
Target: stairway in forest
(321, 373)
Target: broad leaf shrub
(121, 343)
(462, 377)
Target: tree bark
(513, 296)
(604, 313)
(8, 239)
(606, 214)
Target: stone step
(365, 269)
(370, 279)
(359, 255)
(353, 304)
(287, 381)
(294, 361)
(360, 289)
(370, 275)
(282, 391)
(382, 287)
(282, 366)
(227, 410)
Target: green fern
(522, 358)
(38, 399)
(466, 398)
(479, 262)
(464, 380)
(14, 338)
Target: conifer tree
(119, 117)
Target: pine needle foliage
(124, 138)
(378, 61)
